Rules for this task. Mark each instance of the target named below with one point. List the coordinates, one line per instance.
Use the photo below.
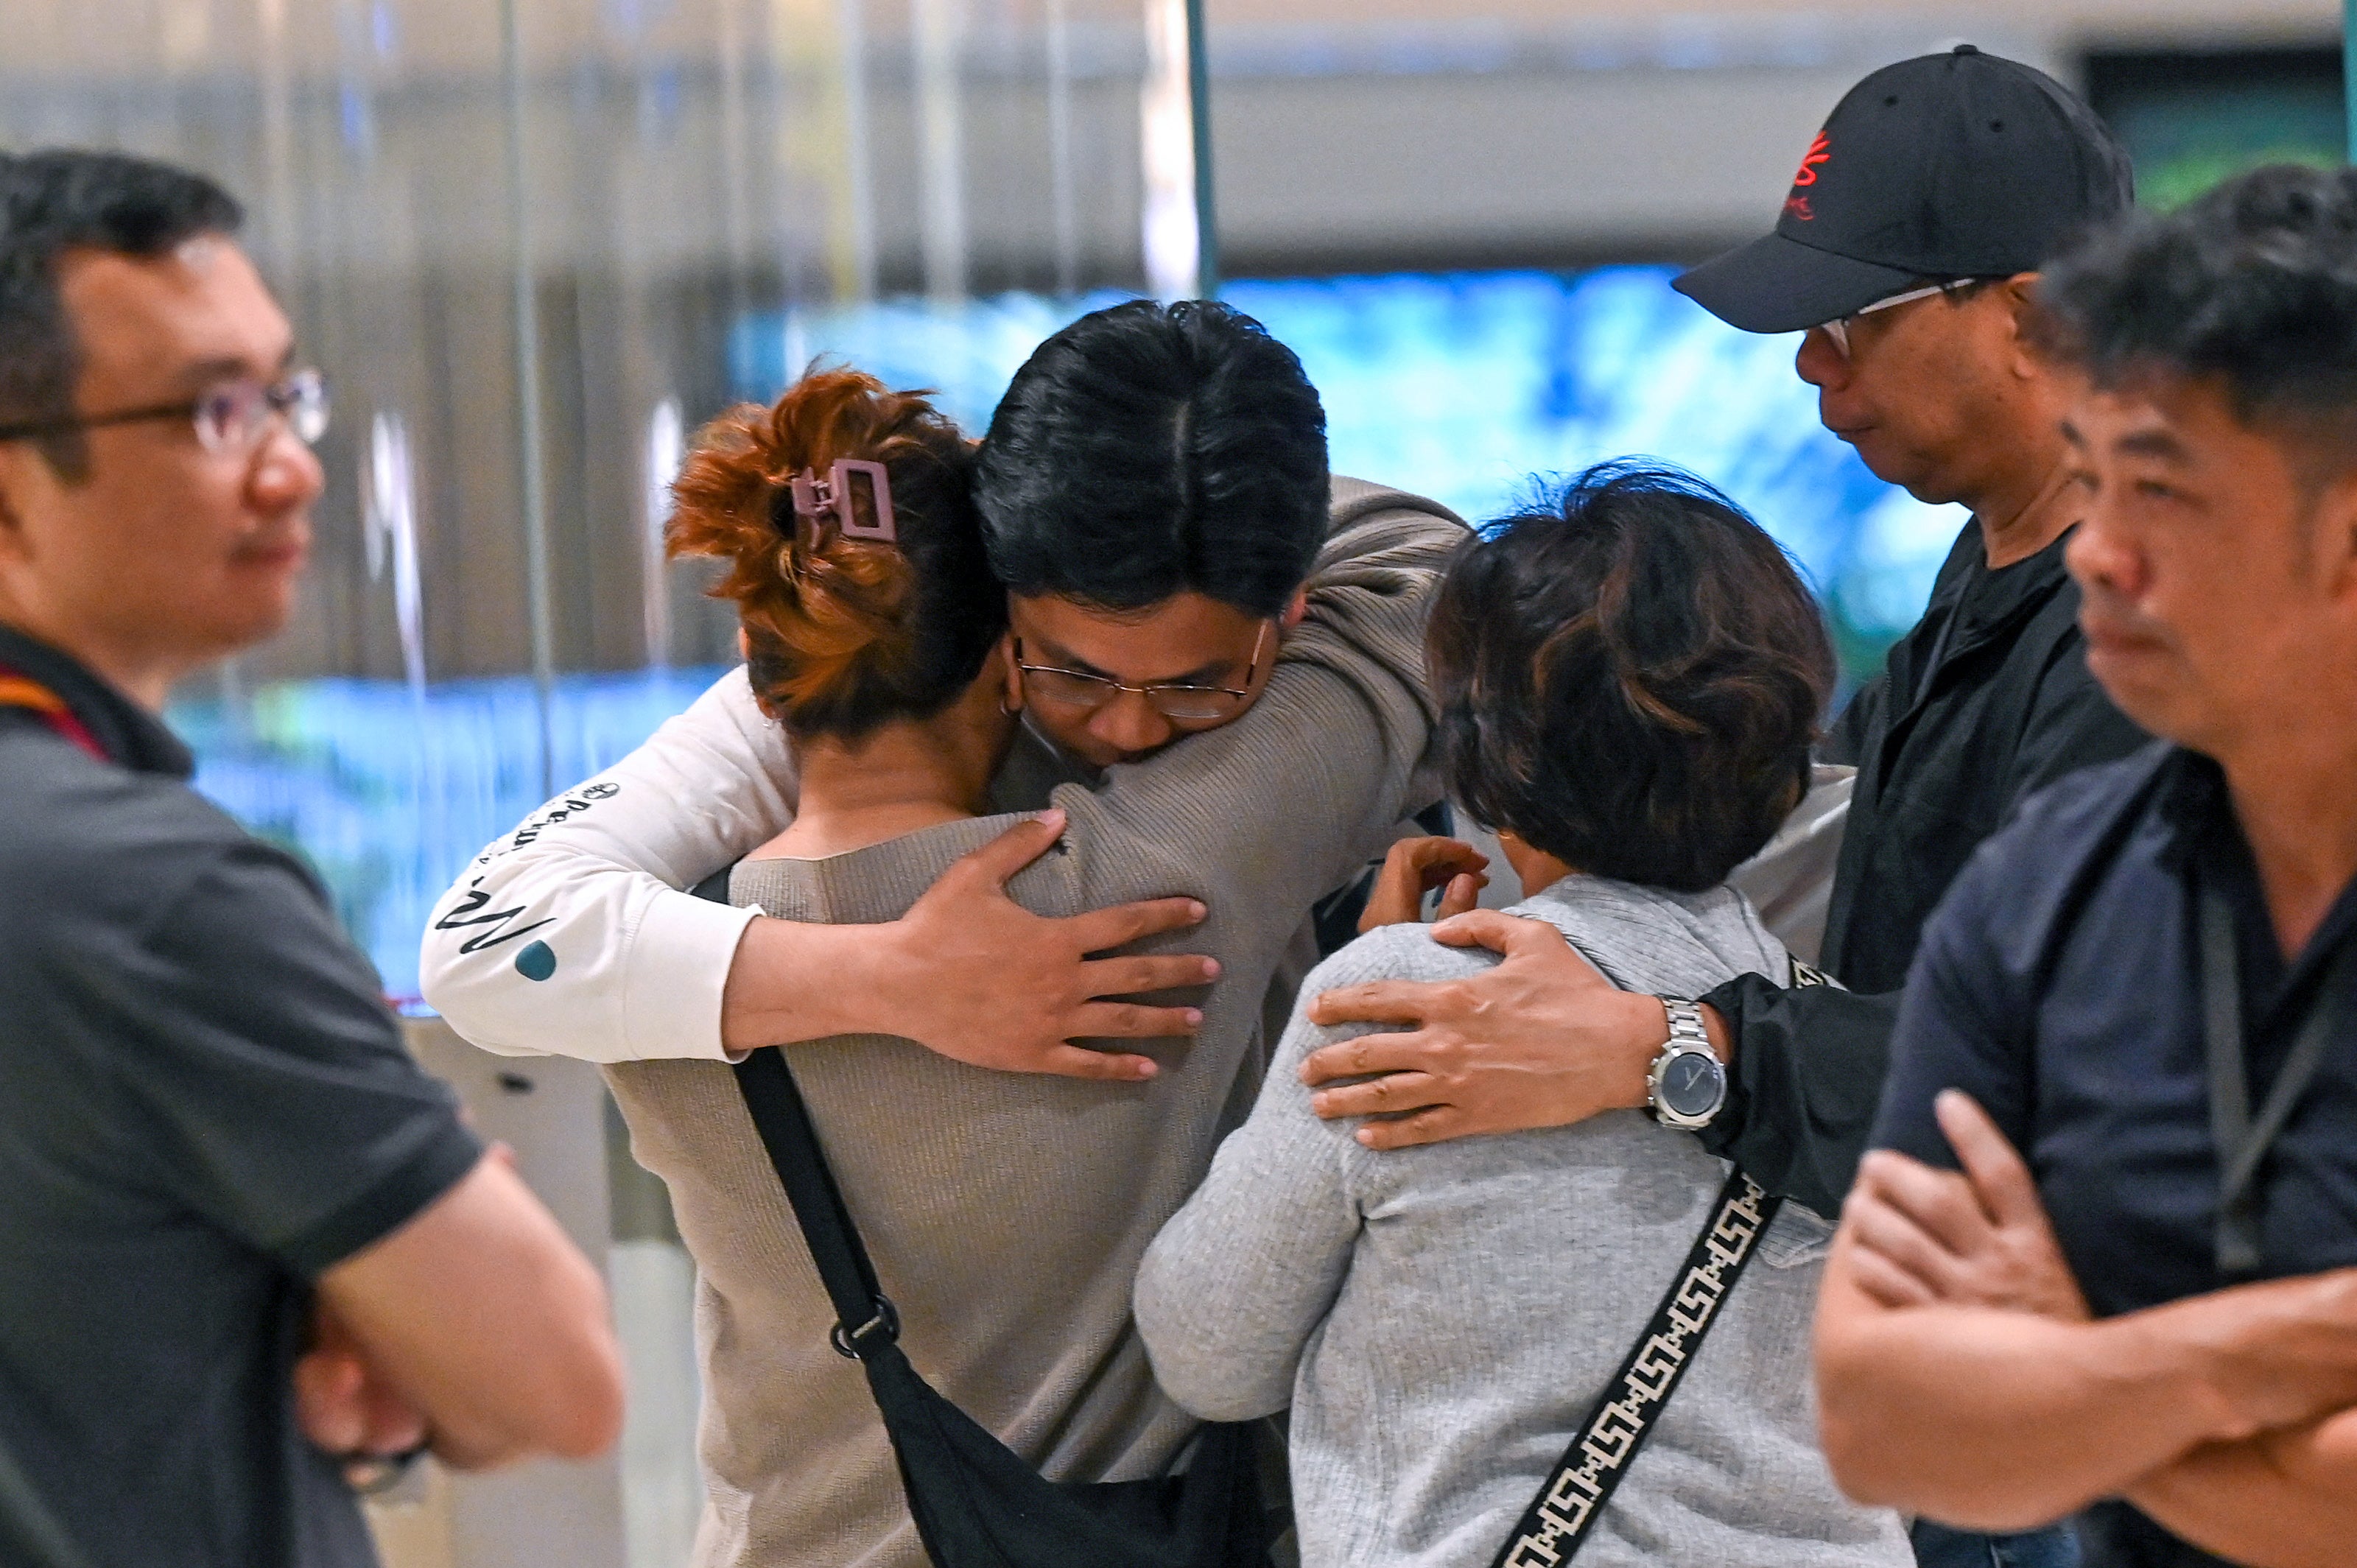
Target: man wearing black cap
(1906, 250)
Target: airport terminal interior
(536, 244)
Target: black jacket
(1987, 700)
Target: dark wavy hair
(1630, 680)
(844, 634)
(1146, 450)
(2253, 287)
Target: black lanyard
(2243, 1143)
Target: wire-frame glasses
(1172, 700)
(230, 418)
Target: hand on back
(971, 975)
(1542, 1040)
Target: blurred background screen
(2191, 119)
(536, 242)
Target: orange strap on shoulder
(24, 691)
(17, 692)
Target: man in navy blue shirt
(2147, 984)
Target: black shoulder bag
(975, 1502)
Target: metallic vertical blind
(529, 241)
(517, 236)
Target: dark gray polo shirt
(204, 1104)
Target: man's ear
(2333, 535)
(2020, 295)
(14, 455)
(1294, 611)
(1011, 698)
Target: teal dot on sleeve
(537, 962)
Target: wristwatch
(1688, 1083)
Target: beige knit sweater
(1007, 1214)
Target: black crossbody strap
(2243, 1142)
(1568, 1506)
(861, 1309)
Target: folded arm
(2285, 1500)
(481, 1315)
(1929, 1411)
(1997, 1418)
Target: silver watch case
(1686, 1087)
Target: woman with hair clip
(1004, 1213)
(1629, 684)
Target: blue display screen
(1464, 386)
(1460, 386)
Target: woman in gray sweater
(1628, 688)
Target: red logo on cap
(1820, 151)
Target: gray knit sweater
(1006, 1214)
(1441, 1318)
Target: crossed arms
(1961, 1376)
(476, 1328)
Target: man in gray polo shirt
(227, 1184)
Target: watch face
(1692, 1082)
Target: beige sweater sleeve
(1262, 817)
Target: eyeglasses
(1074, 689)
(229, 419)
(1837, 329)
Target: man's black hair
(1628, 679)
(1148, 449)
(2253, 287)
(69, 198)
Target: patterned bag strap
(1556, 1524)
(20, 690)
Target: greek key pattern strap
(1583, 1482)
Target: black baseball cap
(1948, 166)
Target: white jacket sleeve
(573, 936)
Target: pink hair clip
(830, 500)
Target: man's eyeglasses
(230, 420)
(1837, 329)
(1172, 700)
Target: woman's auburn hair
(841, 634)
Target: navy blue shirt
(204, 1105)
(2060, 985)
